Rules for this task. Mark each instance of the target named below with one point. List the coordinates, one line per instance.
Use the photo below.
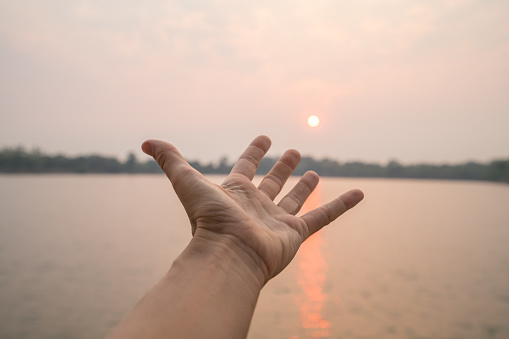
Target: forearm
(209, 292)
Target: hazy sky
(417, 81)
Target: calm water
(416, 259)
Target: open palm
(245, 216)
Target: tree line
(19, 160)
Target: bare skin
(241, 239)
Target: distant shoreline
(20, 161)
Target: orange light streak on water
(311, 276)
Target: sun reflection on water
(311, 277)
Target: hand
(241, 239)
(245, 217)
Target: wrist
(226, 255)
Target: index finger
(250, 160)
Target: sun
(313, 121)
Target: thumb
(173, 164)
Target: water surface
(416, 259)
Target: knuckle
(163, 156)
(329, 214)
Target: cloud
(210, 60)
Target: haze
(409, 80)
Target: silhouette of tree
(19, 160)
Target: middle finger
(273, 182)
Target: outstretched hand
(241, 239)
(243, 217)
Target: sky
(414, 81)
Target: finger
(250, 159)
(171, 162)
(293, 201)
(276, 178)
(325, 214)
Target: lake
(415, 259)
